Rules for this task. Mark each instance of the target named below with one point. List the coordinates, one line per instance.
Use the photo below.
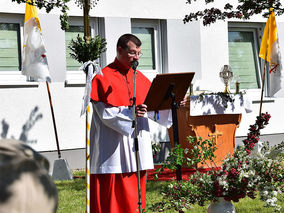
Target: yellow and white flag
(34, 62)
(270, 52)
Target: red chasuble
(115, 86)
(117, 193)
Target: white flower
(222, 183)
(265, 193)
(271, 202)
(269, 163)
(251, 173)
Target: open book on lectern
(159, 96)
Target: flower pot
(221, 206)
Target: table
(207, 118)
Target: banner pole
(53, 119)
(264, 70)
(262, 89)
(87, 160)
(87, 34)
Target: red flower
(244, 180)
(253, 135)
(234, 172)
(251, 146)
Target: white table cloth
(214, 104)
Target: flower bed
(241, 174)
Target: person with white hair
(25, 185)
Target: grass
(71, 194)
(72, 198)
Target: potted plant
(87, 52)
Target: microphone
(134, 64)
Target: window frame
(77, 77)
(155, 24)
(15, 77)
(257, 29)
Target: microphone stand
(134, 125)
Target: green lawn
(72, 198)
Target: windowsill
(264, 101)
(255, 95)
(17, 84)
(75, 79)
(14, 79)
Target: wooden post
(53, 119)
(87, 33)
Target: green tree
(244, 9)
(62, 5)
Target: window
(10, 57)
(74, 75)
(148, 31)
(146, 35)
(243, 55)
(70, 34)
(11, 40)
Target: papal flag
(34, 62)
(270, 52)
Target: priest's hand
(183, 102)
(141, 110)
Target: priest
(113, 180)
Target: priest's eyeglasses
(133, 54)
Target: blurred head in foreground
(25, 185)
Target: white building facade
(169, 46)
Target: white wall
(191, 47)
(54, 40)
(184, 46)
(114, 28)
(214, 54)
(16, 110)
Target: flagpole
(262, 89)
(53, 119)
(264, 71)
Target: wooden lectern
(222, 127)
(166, 92)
